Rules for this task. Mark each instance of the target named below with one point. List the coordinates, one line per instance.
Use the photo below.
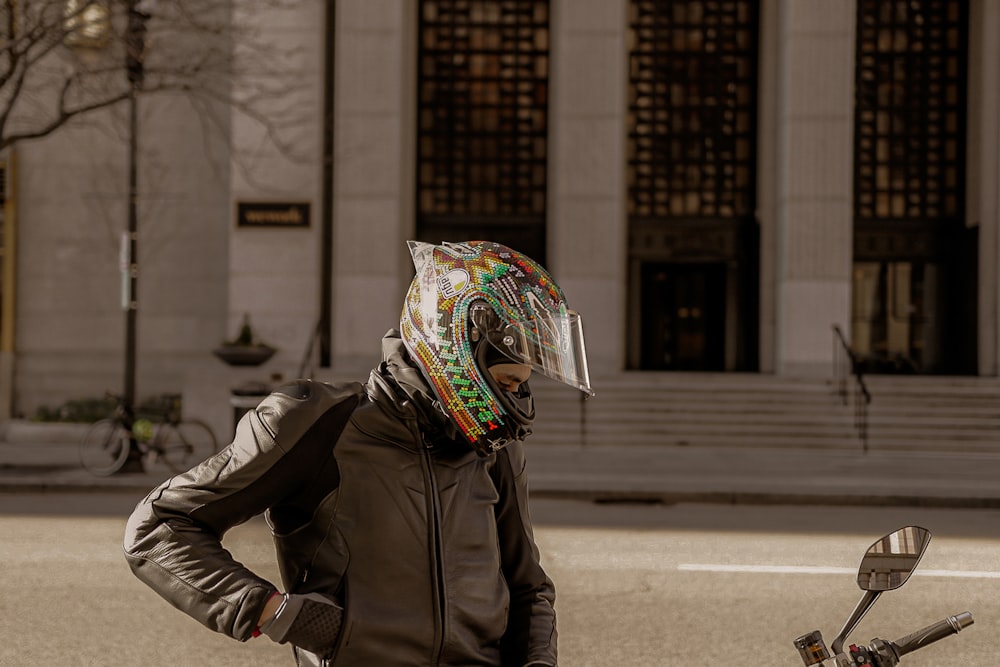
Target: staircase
(752, 410)
(960, 414)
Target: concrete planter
(27, 431)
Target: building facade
(715, 185)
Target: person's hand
(311, 622)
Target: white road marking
(805, 569)
(764, 569)
(967, 574)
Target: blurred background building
(720, 187)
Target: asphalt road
(686, 585)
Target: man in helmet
(398, 506)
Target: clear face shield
(551, 344)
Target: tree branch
(201, 48)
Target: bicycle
(175, 442)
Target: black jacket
(372, 498)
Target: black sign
(268, 214)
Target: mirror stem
(866, 602)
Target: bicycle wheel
(185, 444)
(104, 447)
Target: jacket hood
(398, 385)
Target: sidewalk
(767, 476)
(640, 474)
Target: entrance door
(683, 316)
(897, 313)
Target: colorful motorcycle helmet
(478, 302)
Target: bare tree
(61, 60)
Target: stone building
(716, 184)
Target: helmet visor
(550, 344)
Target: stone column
(586, 206)
(810, 233)
(983, 146)
(373, 173)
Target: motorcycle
(886, 565)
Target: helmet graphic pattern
(435, 319)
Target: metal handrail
(862, 397)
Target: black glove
(311, 622)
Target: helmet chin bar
(518, 407)
(508, 432)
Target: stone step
(851, 444)
(925, 413)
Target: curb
(768, 498)
(142, 484)
(48, 484)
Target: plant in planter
(245, 349)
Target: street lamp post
(135, 44)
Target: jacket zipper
(436, 550)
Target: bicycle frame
(175, 442)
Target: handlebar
(932, 633)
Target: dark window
(910, 110)
(691, 177)
(692, 102)
(483, 122)
(915, 261)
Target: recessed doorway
(683, 316)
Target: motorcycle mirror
(890, 560)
